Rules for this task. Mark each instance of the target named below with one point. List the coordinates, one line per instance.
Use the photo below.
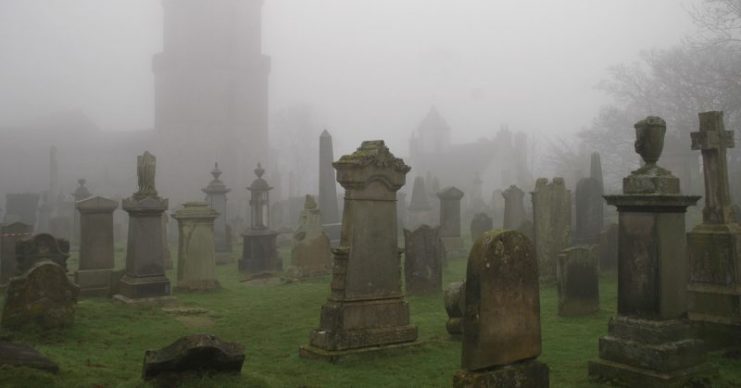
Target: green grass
(105, 347)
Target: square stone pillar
(450, 220)
(196, 251)
(96, 246)
(366, 309)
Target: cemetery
(236, 244)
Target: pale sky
(370, 68)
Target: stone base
(198, 285)
(94, 282)
(314, 353)
(649, 353)
(718, 336)
(526, 374)
(259, 252)
(145, 302)
(356, 325)
(144, 287)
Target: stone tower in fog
(211, 90)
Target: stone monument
(366, 309)
(144, 276)
(514, 209)
(419, 211)
(480, 224)
(96, 246)
(196, 248)
(501, 323)
(328, 188)
(551, 224)
(21, 208)
(41, 247)
(423, 260)
(450, 220)
(578, 281)
(9, 236)
(259, 251)
(715, 244)
(650, 343)
(80, 193)
(455, 305)
(589, 211)
(311, 253)
(216, 198)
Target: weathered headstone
(649, 343)
(39, 248)
(578, 281)
(420, 210)
(423, 260)
(589, 211)
(501, 324)
(78, 195)
(480, 224)
(192, 356)
(196, 251)
(455, 305)
(21, 208)
(450, 220)
(327, 182)
(497, 206)
(259, 250)
(366, 309)
(216, 198)
(145, 250)
(608, 248)
(514, 208)
(43, 296)
(715, 244)
(9, 236)
(311, 253)
(96, 246)
(551, 224)
(20, 355)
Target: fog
(363, 69)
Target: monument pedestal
(259, 252)
(145, 273)
(525, 374)
(714, 292)
(650, 353)
(94, 282)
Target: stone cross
(713, 140)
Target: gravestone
(578, 281)
(480, 224)
(608, 248)
(423, 260)
(80, 194)
(39, 248)
(450, 220)
(44, 215)
(420, 210)
(551, 224)
(455, 305)
(192, 356)
(15, 355)
(650, 343)
(715, 244)
(514, 208)
(166, 253)
(595, 169)
(9, 236)
(196, 248)
(501, 323)
(401, 211)
(42, 296)
(144, 277)
(96, 246)
(497, 206)
(259, 249)
(589, 211)
(216, 198)
(311, 253)
(327, 182)
(366, 309)
(21, 208)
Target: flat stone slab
(527, 374)
(145, 302)
(198, 354)
(315, 353)
(19, 355)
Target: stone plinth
(366, 309)
(551, 224)
(311, 253)
(501, 321)
(145, 266)
(96, 246)
(196, 251)
(216, 192)
(9, 236)
(450, 220)
(578, 281)
(423, 260)
(650, 342)
(260, 252)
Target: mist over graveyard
(474, 188)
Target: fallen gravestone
(193, 355)
(19, 355)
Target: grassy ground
(105, 347)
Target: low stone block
(94, 282)
(199, 354)
(526, 374)
(19, 355)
